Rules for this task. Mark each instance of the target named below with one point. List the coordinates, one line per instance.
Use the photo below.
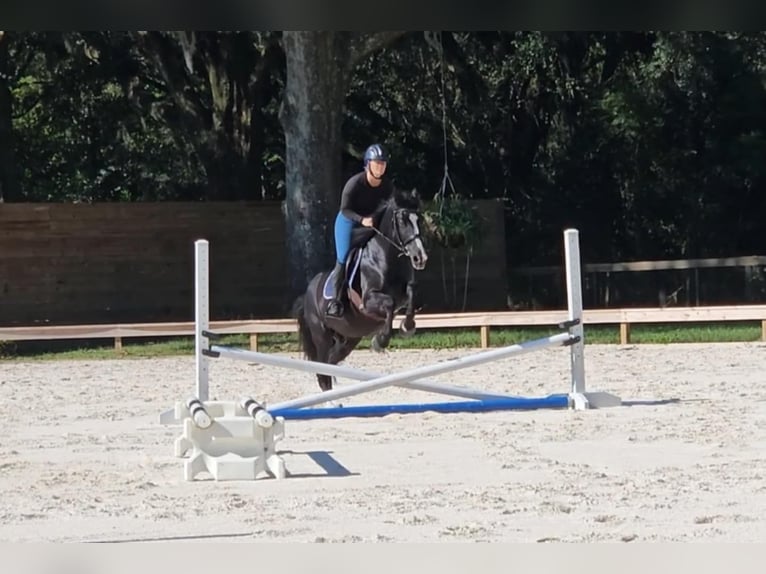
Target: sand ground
(84, 458)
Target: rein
(400, 246)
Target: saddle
(353, 261)
(353, 287)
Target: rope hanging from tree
(454, 225)
(438, 45)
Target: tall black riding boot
(335, 307)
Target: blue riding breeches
(343, 228)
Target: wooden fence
(670, 282)
(134, 262)
(119, 271)
(483, 321)
(117, 262)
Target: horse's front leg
(382, 305)
(408, 325)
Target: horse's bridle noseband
(400, 245)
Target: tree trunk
(311, 116)
(9, 182)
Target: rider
(361, 197)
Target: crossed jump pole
(572, 336)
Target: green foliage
(453, 222)
(78, 136)
(650, 142)
(111, 117)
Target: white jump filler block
(228, 439)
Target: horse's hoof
(407, 332)
(378, 346)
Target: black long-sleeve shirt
(359, 199)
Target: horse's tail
(305, 342)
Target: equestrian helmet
(375, 152)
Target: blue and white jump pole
(482, 401)
(478, 406)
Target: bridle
(400, 245)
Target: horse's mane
(404, 199)
(398, 200)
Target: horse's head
(405, 227)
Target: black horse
(380, 281)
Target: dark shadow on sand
(324, 459)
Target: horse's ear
(408, 199)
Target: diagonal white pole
(428, 370)
(373, 381)
(349, 372)
(202, 323)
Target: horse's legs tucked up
(332, 350)
(323, 352)
(408, 325)
(340, 349)
(316, 341)
(382, 305)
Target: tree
(86, 126)
(9, 182)
(219, 87)
(319, 66)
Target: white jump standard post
(231, 440)
(202, 315)
(579, 399)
